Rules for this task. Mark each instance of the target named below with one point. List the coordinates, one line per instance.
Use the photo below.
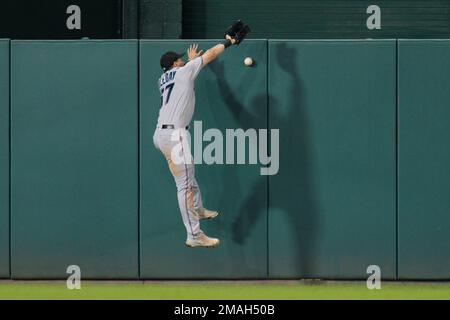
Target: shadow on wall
(298, 200)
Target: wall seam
(267, 177)
(9, 158)
(396, 161)
(139, 153)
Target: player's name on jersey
(167, 77)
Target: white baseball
(248, 61)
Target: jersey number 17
(166, 92)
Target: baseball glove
(235, 27)
(238, 31)
(241, 34)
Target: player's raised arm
(218, 49)
(235, 35)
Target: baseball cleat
(208, 214)
(203, 240)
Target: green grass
(219, 291)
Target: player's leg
(196, 194)
(189, 197)
(183, 180)
(201, 211)
(181, 175)
(163, 142)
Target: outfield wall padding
(424, 159)
(4, 158)
(75, 166)
(332, 206)
(228, 95)
(363, 179)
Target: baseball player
(177, 108)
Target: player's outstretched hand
(193, 53)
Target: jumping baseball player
(177, 108)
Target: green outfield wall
(74, 189)
(332, 208)
(239, 192)
(364, 162)
(424, 159)
(4, 158)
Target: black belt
(170, 126)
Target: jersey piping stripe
(187, 185)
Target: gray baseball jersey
(178, 95)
